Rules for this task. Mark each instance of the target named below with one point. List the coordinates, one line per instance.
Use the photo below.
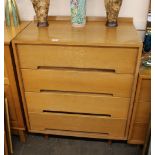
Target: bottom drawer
(14, 124)
(79, 123)
(138, 133)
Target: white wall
(130, 8)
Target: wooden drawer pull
(76, 69)
(105, 133)
(73, 92)
(76, 113)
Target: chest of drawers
(10, 83)
(78, 82)
(142, 108)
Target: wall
(130, 8)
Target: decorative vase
(11, 13)
(78, 13)
(41, 8)
(112, 11)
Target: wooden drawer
(115, 107)
(142, 108)
(80, 123)
(14, 124)
(12, 110)
(122, 60)
(143, 112)
(138, 133)
(5, 70)
(145, 91)
(78, 81)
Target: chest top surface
(145, 72)
(95, 33)
(11, 32)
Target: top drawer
(121, 60)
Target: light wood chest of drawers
(78, 82)
(142, 108)
(10, 83)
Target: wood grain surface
(121, 60)
(94, 65)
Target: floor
(56, 145)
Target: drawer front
(5, 70)
(145, 90)
(14, 124)
(138, 133)
(143, 112)
(11, 105)
(122, 60)
(79, 123)
(77, 81)
(115, 107)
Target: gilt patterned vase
(112, 11)
(11, 13)
(78, 13)
(41, 8)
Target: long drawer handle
(76, 113)
(102, 133)
(76, 69)
(74, 92)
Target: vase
(11, 13)
(78, 13)
(112, 11)
(41, 8)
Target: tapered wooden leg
(22, 136)
(46, 136)
(109, 142)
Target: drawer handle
(74, 92)
(76, 69)
(104, 133)
(76, 113)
